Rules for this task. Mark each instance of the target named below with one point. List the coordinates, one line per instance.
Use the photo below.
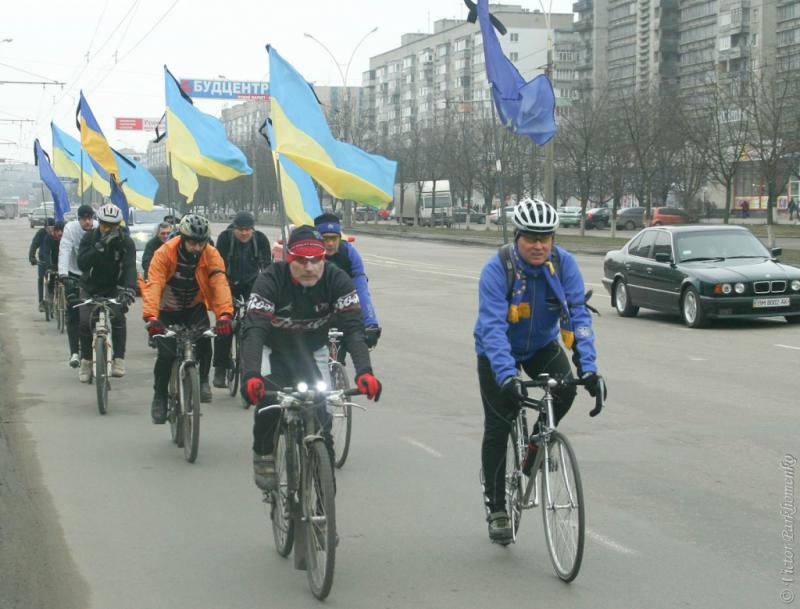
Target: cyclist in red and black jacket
(285, 335)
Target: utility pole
(549, 181)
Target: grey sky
(195, 38)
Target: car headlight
(727, 288)
(796, 285)
(739, 287)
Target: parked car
(3, 214)
(669, 215)
(385, 213)
(495, 216)
(598, 217)
(39, 215)
(475, 217)
(701, 273)
(365, 214)
(630, 218)
(569, 216)
(146, 220)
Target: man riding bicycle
(285, 337)
(344, 255)
(186, 275)
(44, 252)
(107, 260)
(246, 252)
(163, 231)
(529, 293)
(70, 274)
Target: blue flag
(527, 108)
(50, 179)
(118, 198)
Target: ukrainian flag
(137, 183)
(93, 141)
(197, 141)
(67, 153)
(302, 135)
(300, 198)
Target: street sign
(135, 124)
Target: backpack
(507, 260)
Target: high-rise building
(591, 28)
(787, 37)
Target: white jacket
(68, 248)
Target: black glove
(596, 386)
(106, 240)
(513, 389)
(71, 289)
(372, 333)
(32, 260)
(125, 296)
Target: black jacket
(293, 320)
(37, 243)
(243, 262)
(150, 249)
(104, 271)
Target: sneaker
(499, 528)
(118, 367)
(530, 457)
(158, 409)
(219, 377)
(264, 472)
(74, 360)
(205, 392)
(85, 373)
(41, 307)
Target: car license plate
(761, 303)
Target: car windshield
(569, 210)
(140, 239)
(718, 244)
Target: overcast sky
(194, 38)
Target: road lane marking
(697, 359)
(788, 347)
(611, 544)
(431, 451)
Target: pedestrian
(745, 206)
(792, 208)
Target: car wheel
(630, 225)
(622, 300)
(692, 309)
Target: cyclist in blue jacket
(529, 295)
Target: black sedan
(598, 217)
(475, 217)
(701, 273)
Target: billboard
(135, 123)
(225, 89)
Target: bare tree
(638, 111)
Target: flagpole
(80, 185)
(169, 179)
(499, 168)
(281, 206)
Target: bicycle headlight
(302, 387)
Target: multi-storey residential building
(698, 44)
(591, 29)
(566, 77)
(787, 37)
(416, 82)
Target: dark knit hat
(306, 242)
(328, 223)
(244, 219)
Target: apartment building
(591, 30)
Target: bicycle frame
(101, 326)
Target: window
(724, 43)
(643, 247)
(662, 245)
(441, 50)
(514, 37)
(461, 44)
(754, 40)
(725, 19)
(513, 56)
(408, 61)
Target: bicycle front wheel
(341, 418)
(101, 373)
(562, 507)
(233, 372)
(319, 512)
(514, 489)
(48, 300)
(286, 460)
(174, 406)
(191, 413)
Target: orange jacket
(210, 275)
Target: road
(681, 472)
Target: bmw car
(701, 273)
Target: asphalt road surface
(682, 472)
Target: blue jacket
(505, 344)
(349, 260)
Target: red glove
(223, 325)
(254, 389)
(369, 385)
(154, 326)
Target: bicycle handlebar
(545, 380)
(97, 301)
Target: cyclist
(520, 315)
(346, 257)
(70, 274)
(285, 336)
(246, 252)
(37, 257)
(185, 274)
(107, 260)
(163, 231)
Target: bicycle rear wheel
(342, 417)
(514, 487)
(174, 406)
(563, 508)
(233, 372)
(191, 413)
(319, 512)
(286, 460)
(48, 300)
(101, 373)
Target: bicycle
(233, 375)
(60, 305)
(47, 292)
(102, 347)
(342, 417)
(183, 404)
(302, 508)
(560, 491)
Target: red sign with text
(129, 124)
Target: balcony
(581, 5)
(583, 25)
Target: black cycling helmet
(86, 211)
(194, 227)
(244, 219)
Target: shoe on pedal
(205, 392)
(264, 472)
(118, 367)
(74, 360)
(85, 372)
(500, 528)
(220, 380)
(158, 409)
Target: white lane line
(611, 544)
(697, 359)
(431, 451)
(788, 347)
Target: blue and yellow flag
(302, 135)
(50, 179)
(118, 198)
(93, 141)
(136, 182)
(300, 198)
(69, 158)
(198, 140)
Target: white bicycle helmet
(110, 214)
(535, 216)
